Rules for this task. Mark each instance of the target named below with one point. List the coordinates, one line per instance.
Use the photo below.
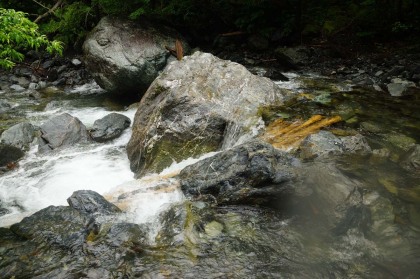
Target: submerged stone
(400, 141)
(411, 159)
(323, 144)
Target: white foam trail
(145, 198)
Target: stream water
(391, 125)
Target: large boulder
(197, 105)
(61, 131)
(124, 56)
(109, 127)
(252, 173)
(20, 135)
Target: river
(391, 125)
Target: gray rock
(4, 106)
(109, 127)
(17, 87)
(411, 160)
(9, 154)
(47, 64)
(33, 86)
(60, 226)
(378, 73)
(332, 192)
(61, 131)
(62, 69)
(22, 81)
(355, 144)
(76, 62)
(125, 57)
(320, 145)
(90, 202)
(400, 141)
(399, 87)
(20, 135)
(252, 173)
(195, 106)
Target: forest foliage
(284, 21)
(17, 34)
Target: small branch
(50, 11)
(42, 5)
(232, 33)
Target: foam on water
(145, 198)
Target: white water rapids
(44, 180)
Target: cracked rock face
(125, 57)
(197, 105)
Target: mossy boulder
(196, 105)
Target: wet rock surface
(191, 106)
(125, 57)
(20, 135)
(9, 154)
(324, 145)
(109, 127)
(90, 202)
(252, 173)
(4, 106)
(67, 245)
(61, 131)
(41, 71)
(411, 160)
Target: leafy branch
(17, 34)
